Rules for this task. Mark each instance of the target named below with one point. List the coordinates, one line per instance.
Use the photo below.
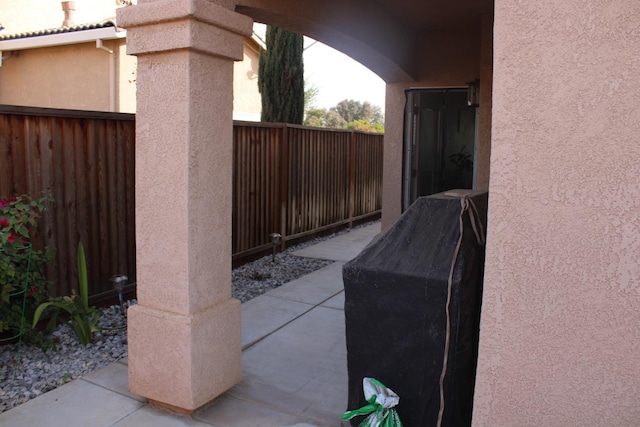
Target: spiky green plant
(83, 318)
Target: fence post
(284, 184)
(352, 176)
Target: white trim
(246, 117)
(256, 38)
(60, 39)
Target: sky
(336, 75)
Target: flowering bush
(23, 285)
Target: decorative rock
(42, 371)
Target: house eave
(61, 39)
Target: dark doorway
(440, 142)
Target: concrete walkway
(294, 359)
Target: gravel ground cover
(30, 372)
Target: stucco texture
(247, 103)
(183, 202)
(74, 77)
(560, 329)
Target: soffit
(426, 15)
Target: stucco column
(484, 116)
(184, 336)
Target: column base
(183, 362)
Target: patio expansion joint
(142, 406)
(113, 391)
(311, 307)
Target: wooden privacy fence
(287, 179)
(86, 160)
(297, 181)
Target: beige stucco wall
(126, 79)
(74, 77)
(77, 76)
(560, 323)
(448, 59)
(247, 104)
(82, 77)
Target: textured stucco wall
(184, 132)
(247, 103)
(78, 76)
(75, 77)
(126, 79)
(484, 110)
(560, 330)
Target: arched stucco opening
(399, 67)
(451, 53)
(185, 50)
(561, 265)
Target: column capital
(199, 25)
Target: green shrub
(23, 285)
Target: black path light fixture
(119, 281)
(275, 240)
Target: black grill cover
(395, 298)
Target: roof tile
(58, 30)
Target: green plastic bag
(380, 408)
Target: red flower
(13, 199)
(4, 222)
(12, 238)
(3, 203)
(34, 291)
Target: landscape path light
(275, 240)
(119, 281)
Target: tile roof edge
(60, 30)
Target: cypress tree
(281, 77)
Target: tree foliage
(348, 114)
(365, 126)
(281, 77)
(310, 97)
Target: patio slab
(300, 369)
(148, 416)
(336, 302)
(76, 404)
(265, 314)
(113, 377)
(229, 411)
(313, 288)
(344, 247)
(295, 370)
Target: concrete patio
(294, 363)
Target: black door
(439, 146)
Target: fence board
(72, 154)
(287, 179)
